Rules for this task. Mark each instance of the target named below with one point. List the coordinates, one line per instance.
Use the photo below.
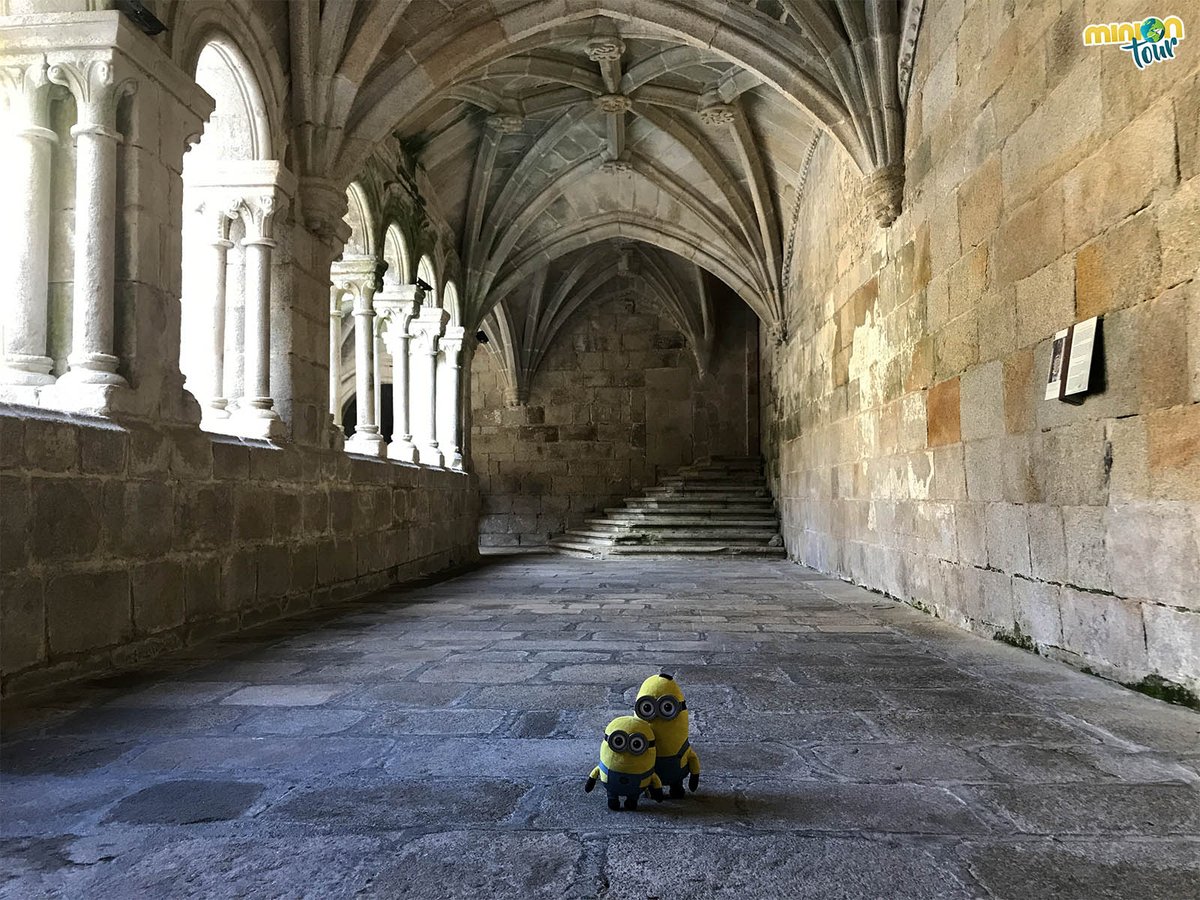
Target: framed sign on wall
(1071, 361)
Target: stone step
(722, 518)
(678, 504)
(691, 486)
(673, 533)
(588, 550)
(666, 541)
(715, 507)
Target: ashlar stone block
(1105, 629)
(1084, 534)
(87, 610)
(1008, 538)
(1153, 552)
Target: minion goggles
(661, 708)
(620, 742)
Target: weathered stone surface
(131, 544)
(528, 864)
(944, 414)
(86, 612)
(1064, 868)
(760, 866)
(876, 729)
(1117, 269)
(186, 803)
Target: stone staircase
(720, 506)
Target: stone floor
(433, 742)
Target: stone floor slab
(434, 743)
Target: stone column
(377, 374)
(358, 275)
(92, 362)
(449, 392)
(366, 438)
(256, 415)
(398, 305)
(26, 91)
(335, 355)
(216, 223)
(427, 328)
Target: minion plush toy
(660, 703)
(626, 763)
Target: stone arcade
(306, 303)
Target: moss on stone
(1015, 638)
(1163, 689)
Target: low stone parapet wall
(119, 541)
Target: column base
(86, 397)
(430, 455)
(367, 443)
(216, 408)
(254, 418)
(31, 371)
(92, 368)
(456, 460)
(402, 451)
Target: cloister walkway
(433, 742)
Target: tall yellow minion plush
(660, 703)
(626, 763)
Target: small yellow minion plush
(626, 763)
(660, 703)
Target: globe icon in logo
(1153, 29)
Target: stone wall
(121, 541)
(912, 450)
(616, 403)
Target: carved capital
(505, 123)
(516, 396)
(217, 213)
(259, 215)
(452, 342)
(605, 49)
(884, 193)
(616, 167)
(614, 103)
(715, 116)
(395, 314)
(25, 94)
(427, 328)
(356, 275)
(97, 91)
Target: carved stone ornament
(25, 91)
(884, 192)
(96, 91)
(614, 103)
(715, 116)
(324, 206)
(505, 123)
(616, 167)
(604, 49)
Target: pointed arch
(362, 225)
(428, 274)
(395, 254)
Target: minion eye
(667, 708)
(617, 741)
(646, 709)
(637, 744)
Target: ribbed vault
(523, 326)
(548, 128)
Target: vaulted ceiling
(566, 136)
